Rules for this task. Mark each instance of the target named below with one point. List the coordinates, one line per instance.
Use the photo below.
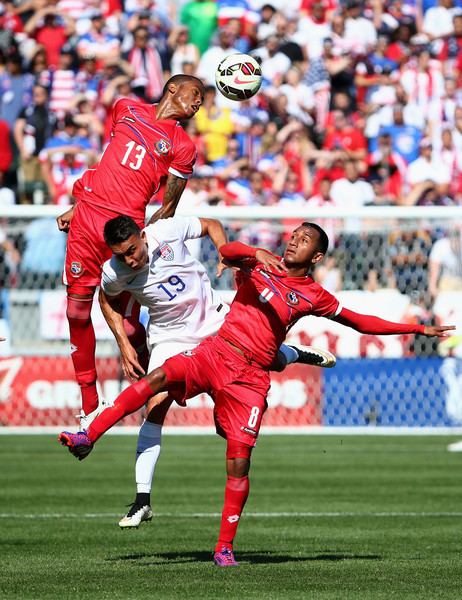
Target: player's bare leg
(147, 455)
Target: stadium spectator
(201, 18)
(426, 169)
(64, 158)
(6, 152)
(182, 50)
(15, 89)
(351, 191)
(445, 264)
(32, 129)
(345, 141)
(215, 125)
(408, 251)
(60, 82)
(98, 42)
(212, 57)
(274, 63)
(405, 138)
(51, 29)
(145, 61)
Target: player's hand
(270, 261)
(64, 220)
(439, 331)
(130, 365)
(221, 266)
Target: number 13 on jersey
(137, 155)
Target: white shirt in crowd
(422, 170)
(352, 194)
(173, 285)
(449, 256)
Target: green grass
(355, 553)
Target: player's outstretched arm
(377, 326)
(173, 190)
(112, 312)
(216, 232)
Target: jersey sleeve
(110, 283)
(184, 156)
(326, 304)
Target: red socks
(127, 402)
(236, 493)
(83, 345)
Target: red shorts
(238, 388)
(86, 250)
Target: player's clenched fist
(64, 220)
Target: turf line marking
(213, 515)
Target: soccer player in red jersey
(148, 151)
(233, 366)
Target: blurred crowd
(361, 104)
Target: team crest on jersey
(76, 268)
(292, 298)
(162, 146)
(166, 252)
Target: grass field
(327, 517)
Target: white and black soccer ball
(238, 77)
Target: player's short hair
(119, 229)
(182, 78)
(323, 242)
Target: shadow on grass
(161, 558)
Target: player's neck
(297, 272)
(165, 110)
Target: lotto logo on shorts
(292, 298)
(76, 268)
(188, 353)
(162, 147)
(250, 431)
(166, 252)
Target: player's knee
(157, 381)
(237, 458)
(79, 308)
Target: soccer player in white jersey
(155, 266)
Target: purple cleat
(79, 443)
(225, 558)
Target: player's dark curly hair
(182, 78)
(119, 229)
(323, 242)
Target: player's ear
(172, 88)
(317, 258)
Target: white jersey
(173, 285)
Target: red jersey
(141, 153)
(267, 305)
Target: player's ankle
(221, 545)
(143, 499)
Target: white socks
(147, 453)
(290, 353)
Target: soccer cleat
(309, 355)
(225, 558)
(135, 516)
(79, 443)
(86, 420)
(455, 447)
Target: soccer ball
(238, 77)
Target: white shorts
(160, 352)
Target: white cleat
(455, 447)
(309, 355)
(86, 420)
(135, 516)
